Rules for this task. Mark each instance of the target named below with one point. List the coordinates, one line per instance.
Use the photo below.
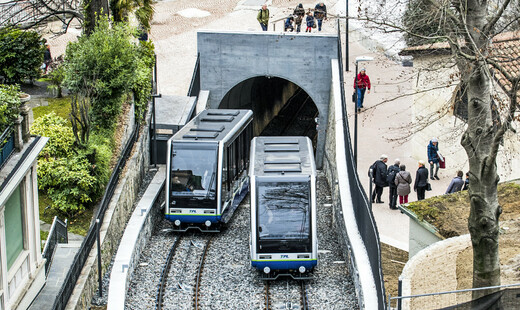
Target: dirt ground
(392, 261)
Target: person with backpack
(299, 12)
(379, 177)
(288, 25)
(392, 172)
(263, 17)
(320, 13)
(403, 179)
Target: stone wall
(116, 216)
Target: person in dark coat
(433, 157)
(403, 180)
(309, 20)
(466, 182)
(456, 184)
(421, 181)
(391, 184)
(379, 174)
(320, 13)
(299, 12)
(289, 24)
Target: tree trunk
(93, 10)
(478, 141)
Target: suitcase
(442, 163)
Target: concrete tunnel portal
(284, 78)
(280, 107)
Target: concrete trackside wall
(229, 58)
(335, 168)
(116, 216)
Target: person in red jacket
(361, 84)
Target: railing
(6, 145)
(57, 234)
(84, 251)
(195, 79)
(452, 298)
(364, 216)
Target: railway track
(199, 274)
(164, 274)
(286, 300)
(183, 281)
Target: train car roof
(212, 125)
(282, 156)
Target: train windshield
(193, 169)
(284, 210)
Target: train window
(194, 169)
(283, 210)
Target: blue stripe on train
(284, 265)
(193, 218)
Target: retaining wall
(116, 216)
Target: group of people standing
(297, 18)
(399, 180)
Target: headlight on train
(207, 223)
(267, 269)
(302, 269)
(177, 223)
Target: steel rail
(199, 273)
(303, 292)
(267, 299)
(164, 274)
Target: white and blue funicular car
(283, 207)
(207, 167)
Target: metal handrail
(363, 214)
(58, 229)
(390, 298)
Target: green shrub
(21, 54)
(61, 138)
(9, 105)
(68, 182)
(102, 67)
(142, 87)
(72, 179)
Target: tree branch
(495, 18)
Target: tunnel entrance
(280, 107)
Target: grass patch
(78, 225)
(60, 106)
(449, 213)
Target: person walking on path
(433, 157)
(403, 179)
(466, 182)
(379, 177)
(263, 17)
(456, 184)
(392, 173)
(361, 84)
(299, 12)
(47, 58)
(421, 181)
(320, 13)
(309, 20)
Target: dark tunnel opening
(280, 107)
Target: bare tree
(30, 13)
(468, 28)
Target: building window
(14, 238)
